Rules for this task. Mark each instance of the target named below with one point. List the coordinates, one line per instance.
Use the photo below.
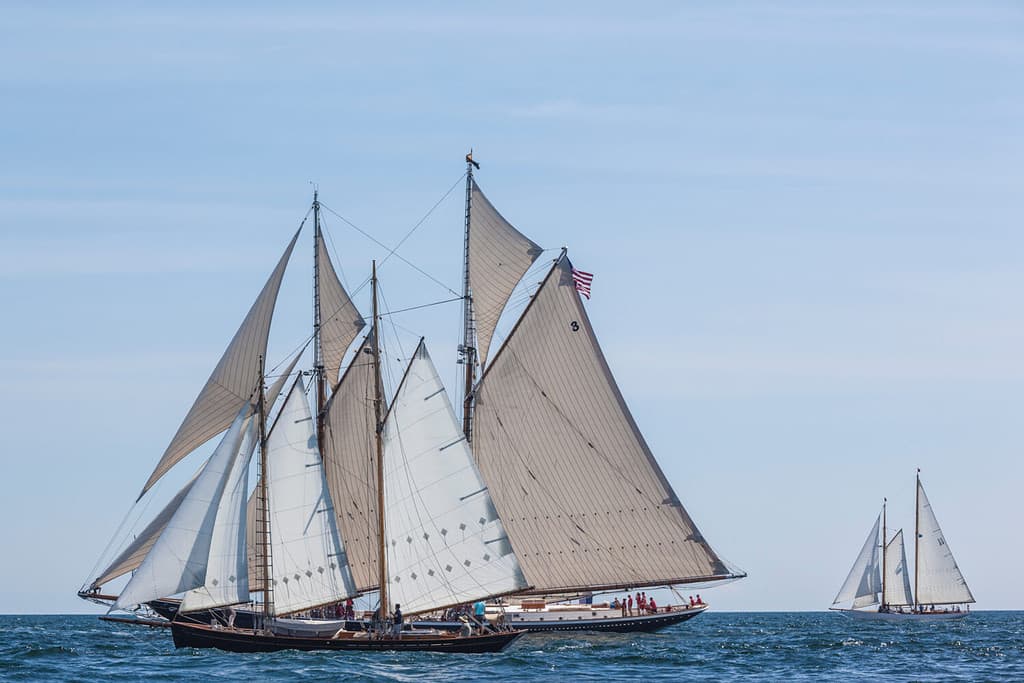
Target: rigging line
(413, 308)
(425, 217)
(389, 254)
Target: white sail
(446, 545)
(579, 492)
(178, 559)
(132, 556)
(499, 256)
(227, 580)
(233, 380)
(350, 460)
(863, 584)
(308, 564)
(340, 322)
(939, 580)
(897, 573)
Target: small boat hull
(236, 640)
(597, 620)
(902, 617)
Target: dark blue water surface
(806, 646)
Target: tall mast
(883, 551)
(469, 328)
(318, 355)
(382, 574)
(263, 528)
(917, 534)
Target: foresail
(863, 584)
(939, 580)
(178, 559)
(227, 580)
(340, 322)
(233, 380)
(308, 561)
(350, 462)
(446, 545)
(132, 556)
(897, 573)
(499, 256)
(581, 496)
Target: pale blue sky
(804, 220)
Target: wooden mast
(917, 536)
(318, 354)
(263, 528)
(468, 348)
(382, 570)
(883, 551)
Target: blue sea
(804, 646)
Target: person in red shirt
(652, 606)
(630, 605)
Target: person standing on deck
(479, 613)
(630, 605)
(398, 621)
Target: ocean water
(988, 646)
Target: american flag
(582, 281)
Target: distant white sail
(939, 580)
(233, 380)
(897, 573)
(227, 580)
(499, 256)
(863, 584)
(308, 561)
(340, 322)
(178, 559)
(446, 545)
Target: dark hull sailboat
(237, 640)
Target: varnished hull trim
(190, 635)
(627, 625)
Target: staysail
(897, 573)
(227, 579)
(350, 462)
(308, 561)
(233, 380)
(863, 584)
(580, 494)
(939, 581)
(178, 559)
(340, 322)
(446, 545)
(499, 256)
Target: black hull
(234, 640)
(627, 625)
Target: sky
(804, 222)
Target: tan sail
(584, 503)
(499, 256)
(350, 459)
(233, 380)
(340, 322)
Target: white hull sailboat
(878, 587)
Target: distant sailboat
(878, 586)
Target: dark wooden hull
(236, 640)
(625, 625)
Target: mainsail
(863, 584)
(499, 256)
(350, 462)
(583, 500)
(178, 559)
(308, 564)
(233, 380)
(446, 545)
(897, 573)
(939, 581)
(227, 579)
(340, 322)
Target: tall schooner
(878, 586)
